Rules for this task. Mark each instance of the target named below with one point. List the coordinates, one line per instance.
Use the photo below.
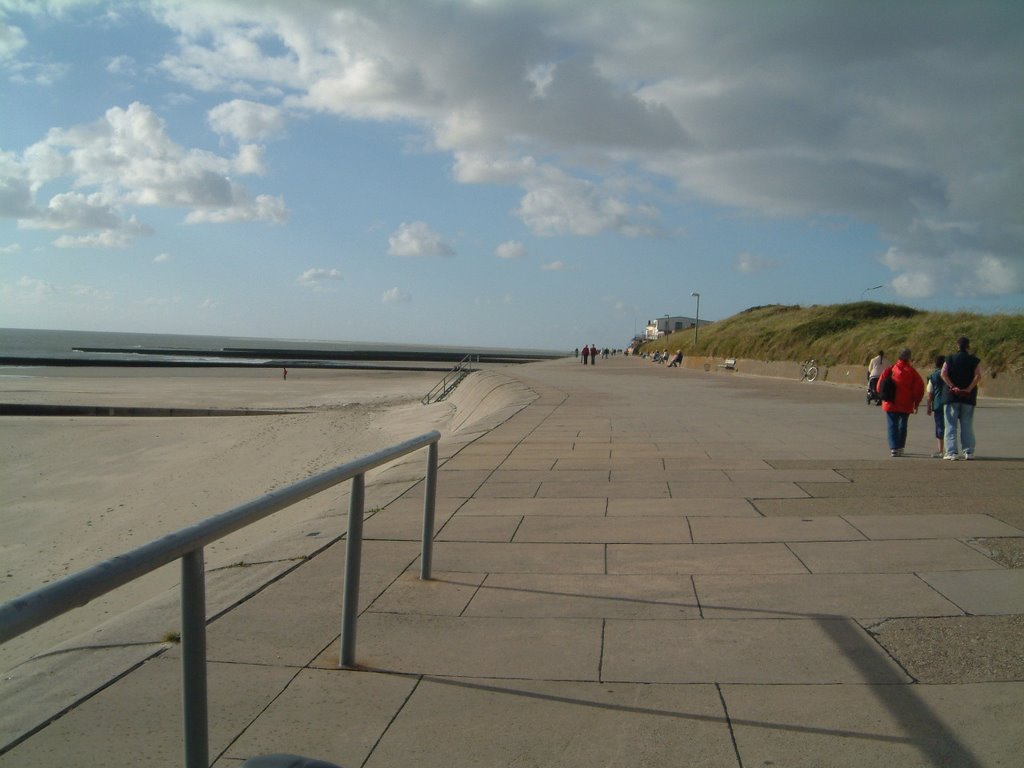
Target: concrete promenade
(634, 566)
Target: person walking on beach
(585, 353)
(933, 391)
(875, 368)
(284, 374)
(909, 391)
(593, 355)
(961, 375)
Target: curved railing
(40, 606)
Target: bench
(729, 365)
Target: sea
(35, 347)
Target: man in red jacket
(909, 392)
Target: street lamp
(666, 324)
(875, 288)
(696, 320)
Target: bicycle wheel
(812, 373)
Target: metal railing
(40, 606)
(450, 380)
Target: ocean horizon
(34, 346)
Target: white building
(668, 324)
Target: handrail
(23, 613)
(450, 380)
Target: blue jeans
(963, 414)
(897, 428)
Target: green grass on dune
(851, 334)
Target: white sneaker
(966, 456)
(950, 457)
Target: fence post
(429, 504)
(193, 659)
(353, 557)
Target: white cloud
(557, 204)
(121, 65)
(11, 248)
(558, 266)
(748, 264)
(208, 304)
(395, 296)
(162, 258)
(511, 249)
(129, 160)
(247, 121)
(107, 238)
(418, 239)
(12, 40)
(318, 279)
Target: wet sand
(77, 490)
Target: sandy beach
(77, 490)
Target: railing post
(193, 659)
(429, 504)
(353, 557)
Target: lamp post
(696, 320)
(874, 288)
(666, 325)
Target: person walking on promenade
(875, 368)
(593, 355)
(909, 391)
(961, 374)
(585, 353)
(933, 391)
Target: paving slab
(494, 528)
(150, 700)
(486, 557)
(998, 507)
(444, 594)
(730, 490)
(574, 725)
(539, 649)
(850, 726)
(982, 592)
(768, 651)
(719, 530)
(890, 556)
(606, 490)
(573, 507)
(604, 530)
(333, 714)
(702, 558)
(936, 526)
(649, 596)
(681, 508)
(861, 595)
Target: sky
(503, 173)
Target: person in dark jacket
(909, 392)
(961, 374)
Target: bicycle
(809, 370)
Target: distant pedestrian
(875, 368)
(284, 374)
(576, 353)
(909, 392)
(586, 354)
(933, 391)
(961, 375)
(593, 354)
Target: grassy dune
(851, 334)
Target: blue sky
(498, 173)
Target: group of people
(589, 354)
(952, 392)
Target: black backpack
(887, 388)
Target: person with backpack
(933, 391)
(902, 389)
(961, 375)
